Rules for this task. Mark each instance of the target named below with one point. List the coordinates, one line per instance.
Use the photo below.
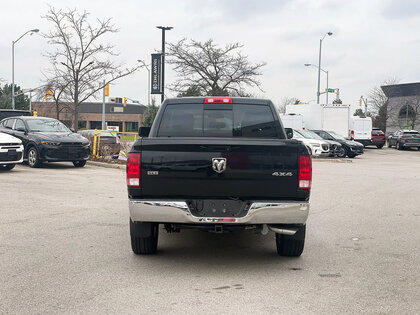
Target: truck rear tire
(291, 245)
(144, 237)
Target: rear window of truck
(193, 120)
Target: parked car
(335, 147)
(351, 148)
(219, 165)
(402, 139)
(315, 147)
(11, 151)
(47, 139)
(109, 143)
(378, 138)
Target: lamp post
(148, 80)
(13, 63)
(163, 28)
(325, 71)
(319, 64)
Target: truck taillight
(218, 100)
(352, 135)
(305, 172)
(133, 170)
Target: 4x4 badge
(218, 164)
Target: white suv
(11, 151)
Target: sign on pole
(156, 73)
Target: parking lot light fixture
(35, 30)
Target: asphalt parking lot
(65, 248)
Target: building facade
(128, 118)
(403, 106)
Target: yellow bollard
(98, 142)
(94, 144)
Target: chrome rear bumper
(270, 212)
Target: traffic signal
(107, 90)
(124, 101)
(35, 113)
(48, 92)
(359, 101)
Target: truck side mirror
(72, 130)
(144, 131)
(289, 133)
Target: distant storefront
(128, 118)
(403, 106)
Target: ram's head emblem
(218, 164)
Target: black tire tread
(145, 245)
(291, 245)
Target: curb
(107, 165)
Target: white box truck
(328, 117)
(292, 121)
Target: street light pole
(13, 63)
(319, 65)
(163, 28)
(325, 71)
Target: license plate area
(12, 153)
(218, 208)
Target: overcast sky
(373, 40)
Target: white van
(360, 129)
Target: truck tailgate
(182, 168)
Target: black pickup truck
(219, 165)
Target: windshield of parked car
(46, 125)
(336, 136)
(297, 135)
(240, 120)
(310, 134)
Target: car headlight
(315, 144)
(51, 143)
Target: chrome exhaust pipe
(283, 230)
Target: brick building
(127, 118)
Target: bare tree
(81, 62)
(281, 106)
(212, 70)
(378, 103)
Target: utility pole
(163, 28)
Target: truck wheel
(6, 167)
(389, 144)
(380, 146)
(291, 245)
(398, 146)
(144, 237)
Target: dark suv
(402, 139)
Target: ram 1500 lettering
(218, 164)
